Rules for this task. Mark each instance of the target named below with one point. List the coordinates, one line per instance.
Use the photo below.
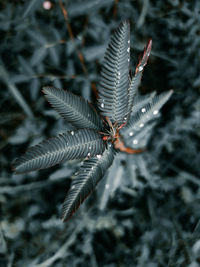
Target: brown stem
(71, 35)
(119, 144)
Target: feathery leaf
(91, 172)
(113, 88)
(135, 82)
(141, 100)
(139, 139)
(147, 113)
(73, 108)
(66, 146)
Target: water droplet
(102, 105)
(135, 141)
(128, 59)
(73, 186)
(128, 49)
(98, 156)
(89, 147)
(72, 132)
(47, 5)
(131, 133)
(79, 37)
(125, 118)
(88, 154)
(119, 73)
(155, 112)
(143, 110)
(140, 68)
(110, 145)
(128, 41)
(141, 125)
(107, 186)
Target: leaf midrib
(75, 110)
(57, 151)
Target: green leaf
(73, 108)
(91, 172)
(113, 88)
(135, 82)
(147, 113)
(70, 145)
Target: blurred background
(146, 210)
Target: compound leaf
(146, 113)
(135, 82)
(73, 108)
(91, 172)
(66, 146)
(141, 100)
(139, 139)
(114, 81)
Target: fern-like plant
(121, 122)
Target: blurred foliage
(146, 211)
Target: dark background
(149, 215)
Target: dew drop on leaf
(140, 68)
(143, 110)
(128, 49)
(102, 105)
(141, 125)
(135, 141)
(73, 186)
(98, 156)
(107, 186)
(155, 112)
(89, 154)
(72, 132)
(131, 133)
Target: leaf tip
(45, 89)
